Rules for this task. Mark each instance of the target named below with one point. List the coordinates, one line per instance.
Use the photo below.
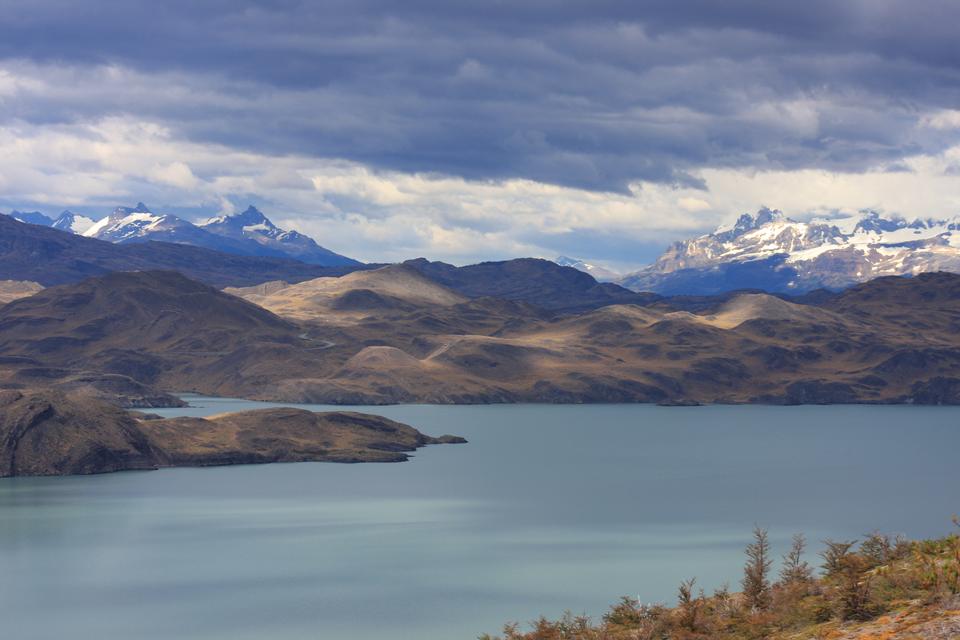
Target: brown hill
(539, 282)
(761, 306)
(11, 290)
(158, 328)
(351, 297)
(167, 332)
(50, 433)
(752, 348)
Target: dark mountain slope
(540, 282)
(158, 328)
(47, 433)
(31, 217)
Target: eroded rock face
(51, 433)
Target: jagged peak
(748, 222)
(123, 212)
(248, 217)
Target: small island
(49, 433)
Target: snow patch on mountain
(771, 251)
(600, 273)
(252, 225)
(73, 222)
(130, 223)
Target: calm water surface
(547, 508)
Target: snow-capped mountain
(129, 223)
(772, 252)
(249, 234)
(67, 221)
(70, 221)
(31, 217)
(601, 274)
(140, 224)
(252, 226)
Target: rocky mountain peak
(31, 217)
(773, 252)
(250, 220)
(747, 222)
(70, 221)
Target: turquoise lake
(547, 508)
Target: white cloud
(175, 174)
(386, 216)
(946, 119)
(693, 204)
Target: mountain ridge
(164, 331)
(775, 253)
(50, 257)
(534, 280)
(238, 234)
(252, 225)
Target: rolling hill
(165, 331)
(361, 294)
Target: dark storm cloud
(588, 94)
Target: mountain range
(251, 227)
(766, 251)
(49, 256)
(249, 233)
(771, 252)
(133, 320)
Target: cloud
(467, 131)
(392, 215)
(945, 119)
(589, 96)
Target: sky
(466, 131)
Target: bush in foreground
(861, 582)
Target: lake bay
(547, 508)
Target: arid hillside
(361, 294)
(394, 335)
(11, 290)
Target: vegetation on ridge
(880, 588)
